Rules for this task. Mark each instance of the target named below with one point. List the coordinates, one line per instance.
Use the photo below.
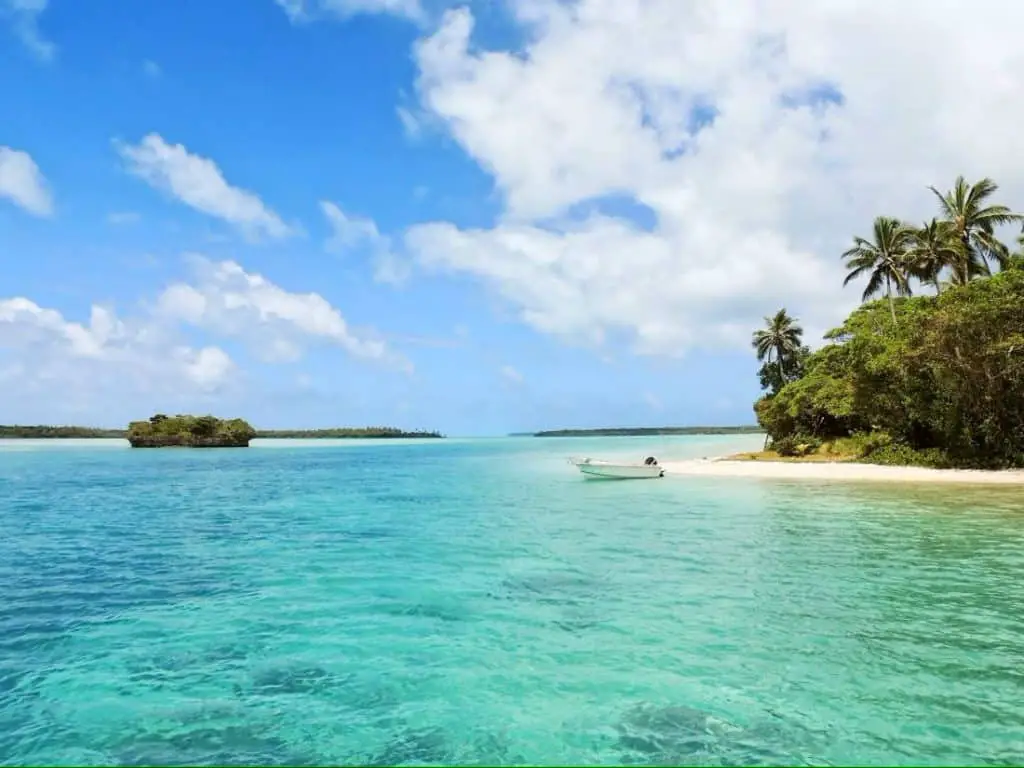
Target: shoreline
(839, 471)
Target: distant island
(336, 433)
(47, 432)
(185, 431)
(42, 432)
(643, 431)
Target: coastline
(840, 471)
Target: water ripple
(479, 605)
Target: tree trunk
(888, 294)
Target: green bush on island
(934, 380)
(190, 431)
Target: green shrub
(796, 445)
(185, 429)
(903, 455)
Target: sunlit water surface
(476, 601)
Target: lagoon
(477, 602)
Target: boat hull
(609, 471)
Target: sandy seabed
(782, 470)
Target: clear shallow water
(478, 602)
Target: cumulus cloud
(277, 324)
(198, 183)
(351, 232)
(52, 364)
(24, 16)
(673, 171)
(302, 10)
(23, 183)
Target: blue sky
(385, 212)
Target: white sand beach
(780, 470)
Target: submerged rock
(682, 735)
(293, 680)
(426, 745)
(673, 735)
(230, 745)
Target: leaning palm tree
(780, 340)
(931, 249)
(884, 259)
(973, 222)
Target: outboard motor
(650, 461)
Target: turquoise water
(477, 602)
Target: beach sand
(779, 470)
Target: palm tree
(780, 339)
(973, 223)
(931, 249)
(885, 259)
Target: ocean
(478, 602)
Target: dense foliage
(346, 432)
(41, 431)
(935, 380)
(191, 431)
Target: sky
(482, 217)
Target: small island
(647, 431)
(185, 431)
(929, 381)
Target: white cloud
(410, 123)
(198, 183)
(151, 68)
(758, 136)
(277, 324)
(24, 15)
(511, 374)
(301, 10)
(54, 366)
(22, 182)
(51, 365)
(351, 232)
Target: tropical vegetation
(190, 431)
(934, 379)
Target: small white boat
(609, 470)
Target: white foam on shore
(781, 470)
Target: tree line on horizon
(936, 380)
(43, 431)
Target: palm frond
(874, 286)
